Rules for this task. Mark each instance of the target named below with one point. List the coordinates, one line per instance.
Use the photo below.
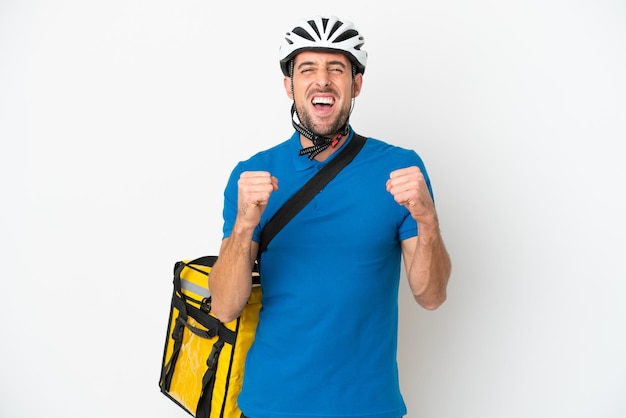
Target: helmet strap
(320, 143)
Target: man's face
(323, 89)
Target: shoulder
(381, 150)
(379, 144)
(276, 152)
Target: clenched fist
(408, 188)
(254, 190)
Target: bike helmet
(329, 34)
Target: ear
(287, 83)
(357, 83)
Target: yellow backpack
(203, 360)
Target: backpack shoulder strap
(315, 185)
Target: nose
(323, 80)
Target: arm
(230, 279)
(426, 259)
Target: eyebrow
(330, 63)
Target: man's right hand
(255, 188)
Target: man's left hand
(408, 188)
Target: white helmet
(329, 34)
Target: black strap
(315, 185)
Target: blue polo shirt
(327, 336)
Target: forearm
(430, 268)
(230, 279)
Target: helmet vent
(347, 35)
(315, 28)
(335, 27)
(303, 33)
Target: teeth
(323, 100)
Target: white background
(121, 120)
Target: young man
(327, 335)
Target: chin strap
(320, 143)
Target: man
(327, 335)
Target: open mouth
(323, 102)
